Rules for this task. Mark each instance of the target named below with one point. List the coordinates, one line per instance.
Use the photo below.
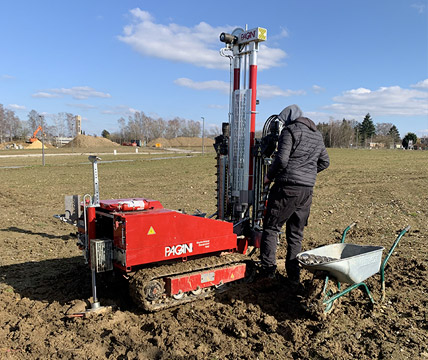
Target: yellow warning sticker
(232, 276)
(151, 231)
(262, 34)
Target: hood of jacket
(289, 114)
(293, 114)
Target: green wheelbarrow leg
(328, 302)
(329, 305)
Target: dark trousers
(290, 205)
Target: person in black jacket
(300, 156)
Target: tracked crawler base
(174, 284)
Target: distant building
(424, 140)
(78, 124)
(376, 145)
(61, 141)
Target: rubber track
(143, 276)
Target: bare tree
(172, 128)
(12, 124)
(338, 133)
(58, 126)
(382, 129)
(122, 128)
(191, 128)
(2, 124)
(33, 120)
(70, 123)
(214, 131)
(135, 126)
(156, 128)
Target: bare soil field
(43, 277)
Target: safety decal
(262, 34)
(151, 231)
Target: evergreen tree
(366, 129)
(105, 134)
(394, 134)
(409, 136)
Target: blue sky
(107, 59)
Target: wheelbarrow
(347, 263)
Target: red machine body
(156, 234)
(185, 283)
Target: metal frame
(235, 193)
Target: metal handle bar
(346, 230)
(382, 268)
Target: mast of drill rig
(234, 147)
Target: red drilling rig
(171, 257)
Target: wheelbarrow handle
(385, 261)
(394, 245)
(346, 230)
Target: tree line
(139, 126)
(13, 128)
(336, 133)
(351, 133)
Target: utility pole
(203, 133)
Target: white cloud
(263, 91)
(421, 84)
(317, 89)
(282, 34)
(7, 77)
(198, 45)
(16, 107)
(203, 85)
(121, 110)
(141, 14)
(82, 106)
(269, 91)
(77, 92)
(81, 92)
(419, 7)
(44, 95)
(217, 106)
(392, 100)
(318, 116)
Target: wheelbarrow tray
(353, 264)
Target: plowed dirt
(43, 277)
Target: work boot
(296, 286)
(265, 273)
(268, 272)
